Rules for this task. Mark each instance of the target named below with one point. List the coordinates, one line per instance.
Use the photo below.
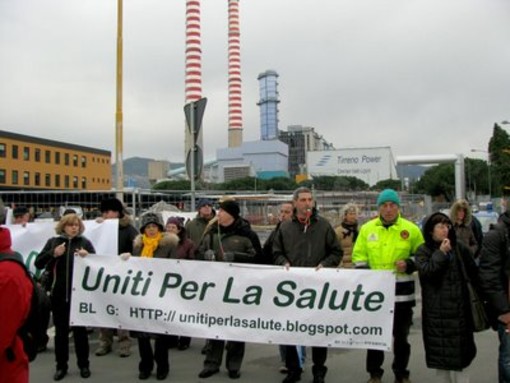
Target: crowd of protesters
(447, 253)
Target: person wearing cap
(185, 250)
(153, 242)
(21, 215)
(306, 240)
(389, 242)
(205, 213)
(58, 256)
(15, 299)
(347, 232)
(229, 238)
(112, 208)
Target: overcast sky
(421, 76)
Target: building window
(15, 152)
(57, 180)
(75, 182)
(57, 158)
(37, 155)
(2, 151)
(47, 180)
(2, 176)
(66, 159)
(83, 161)
(75, 160)
(14, 177)
(83, 183)
(47, 156)
(26, 153)
(66, 182)
(26, 178)
(37, 179)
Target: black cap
(231, 207)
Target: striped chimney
(235, 115)
(193, 76)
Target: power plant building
(268, 90)
(300, 140)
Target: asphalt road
(261, 364)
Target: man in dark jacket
(229, 239)
(307, 240)
(284, 214)
(494, 274)
(195, 228)
(114, 209)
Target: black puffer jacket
(447, 326)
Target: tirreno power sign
(368, 164)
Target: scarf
(350, 229)
(150, 244)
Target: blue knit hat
(388, 195)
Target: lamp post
(489, 179)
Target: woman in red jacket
(15, 297)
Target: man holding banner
(229, 239)
(307, 240)
(389, 242)
(113, 208)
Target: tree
(499, 154)
(279, 183)
(172, 185)
(477, 176)
(438, 181)
(387, 184)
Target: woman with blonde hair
(347, 232)
(57, 256)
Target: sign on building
(368, 164)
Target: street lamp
(489, 179)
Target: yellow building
(28, 162)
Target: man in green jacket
(389, 242)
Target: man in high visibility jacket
(389, 242)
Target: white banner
(253, 303)
(30, 239)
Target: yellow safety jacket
(378, 248)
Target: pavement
(261, 364)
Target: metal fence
(260, 208)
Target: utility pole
(119, 168)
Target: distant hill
(136, 171)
